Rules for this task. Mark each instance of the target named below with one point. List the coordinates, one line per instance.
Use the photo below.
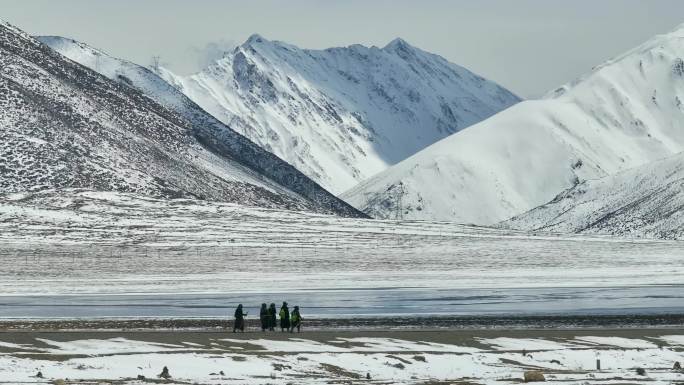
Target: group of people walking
(267, 316)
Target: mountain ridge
(344, 113)
(623, 114)
(67, 126)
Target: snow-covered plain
(339, 115)
(83, 243)
(375, 360)
(625, 113)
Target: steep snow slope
(623, 114)
(341, 115)
(644, 201)
(63, 125)
(206, 128)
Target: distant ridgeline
(626, 113)
(339, 115)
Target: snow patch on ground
(310, 362)
(619, 342)
(505, 343)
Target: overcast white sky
(529, 46)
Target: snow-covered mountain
(341, 115)
(64, 125)
(627, 112)
(644, 201)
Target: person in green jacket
(284, 317)
(239, 319)
(295, 320)
(272, 314)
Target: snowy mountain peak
(408, 52)
(664, 49)
(627, 112)
(339, 115)
(398, 43)
(125, 129)
(255, 39)
(342, 114)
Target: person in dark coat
(284, 317)
(272, 314)
(295, 320)
(239, 319)
(264, 317)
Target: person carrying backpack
(295, 320)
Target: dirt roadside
(454, 337)
(457, 331)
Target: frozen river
(346, 303)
